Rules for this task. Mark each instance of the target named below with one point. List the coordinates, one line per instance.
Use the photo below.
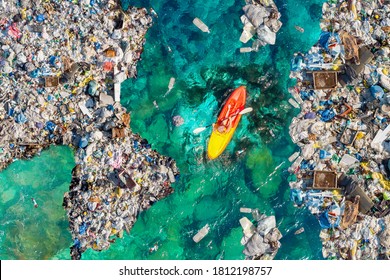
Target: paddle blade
(246, 110)
(198, 130)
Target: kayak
(227, 123)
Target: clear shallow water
(206, 67)
(35, 233)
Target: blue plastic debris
(325, 154)
(328, 221)
(327, 115)
(327, 39)
(314, 61)
(377, 92)
(35, 73)
(82, 228)
(83, 142)
(92, 88)
(21, 118)
(89, 103)
(296, 196)
(148, 158)
(97, 45)
(50, 126)
(306, 165)
(10, 111)
(76, 243)
(297, 63)
(325, 102)
(307, 95)
(55, 61)
(40, 18)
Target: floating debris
(342, 174)
(261, 18)
(245, 210)
(245, 50)
(299, 231)
(170, 85)
(200, 24)
(261, 241)
(201, 233)
(300, 29)
(34, 202)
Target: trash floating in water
(201, 233)
(299, 231)
(261, 240)
(260, 19)
(34, 202)
(342, 174)
(245, 50)
(293, 103)
(300, 29)
(245, 210)
(200, 24)
(170, 85)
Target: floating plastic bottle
(201, 233)
(200, 24)
(170, 85)
(245, 50)
(293, 103)
(293, 156)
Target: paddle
(242, 112)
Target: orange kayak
(227, 123)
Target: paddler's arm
(228, 111)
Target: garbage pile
(61, 67)
(261, 241)
(342, 171)
(360, 241)
(261, 18)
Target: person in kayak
(226, 124)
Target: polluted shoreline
(341, 173)
(62, 65)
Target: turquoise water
(206, 67)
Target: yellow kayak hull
(218, 142)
